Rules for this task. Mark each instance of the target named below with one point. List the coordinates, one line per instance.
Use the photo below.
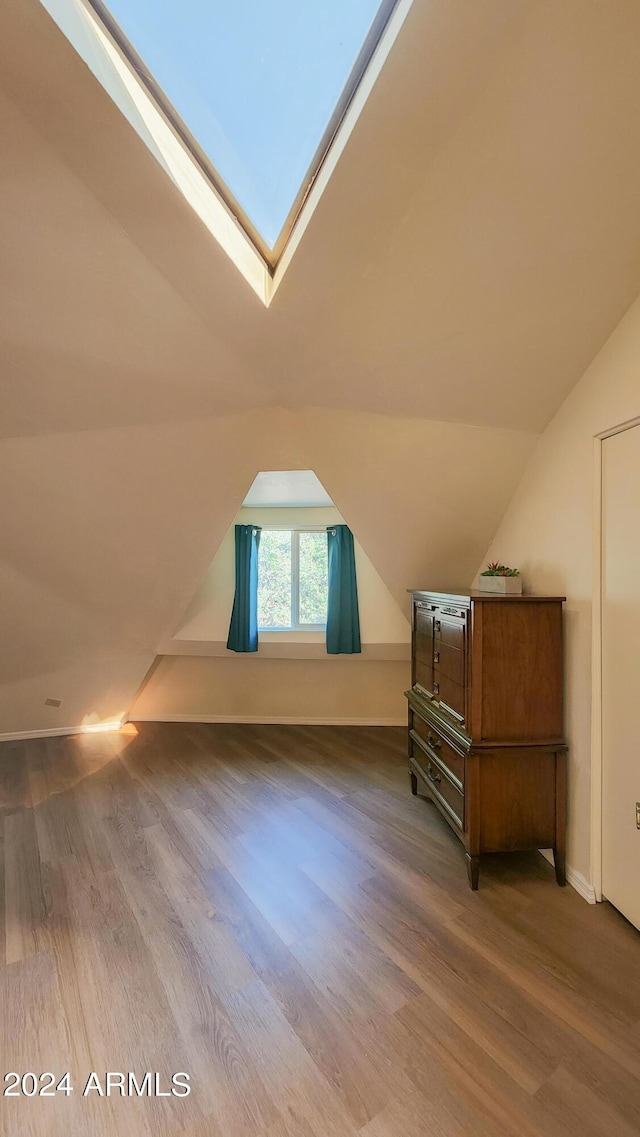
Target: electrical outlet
(53, 702)
(638, 815)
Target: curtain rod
(298, 528)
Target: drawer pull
(436, 657)
(436, 688)
(434, 742)
(432, 776)
(436, 625)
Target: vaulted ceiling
(474, 247)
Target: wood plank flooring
(269, 910)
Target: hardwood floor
(269, 910)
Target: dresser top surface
(465, 597)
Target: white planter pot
(503, 585)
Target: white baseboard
(58, 731)
(582, 886)
(258, 720)
(575, 879)
(272, 720)
(53, 732)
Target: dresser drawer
(442, 788)
(440, 748)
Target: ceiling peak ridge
(415, 419)
(289, 418)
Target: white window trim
(295, 625)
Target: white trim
(90, 37)
(628, 424)
(59, 731)
(575, 879)
(294, 548)
(360, 96)
(595, 853)
(271, 720)
(17, 735)
(596, 659)
(581, 885)
(320, 628)
(290, 648)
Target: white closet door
(621, 671)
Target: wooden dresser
(485, 720)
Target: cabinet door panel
(424, 634)
(424, 675)
(450, 695)
(423, 647)
(449, 661)
(450, 631)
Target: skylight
(260, 87)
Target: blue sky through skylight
(255, 81)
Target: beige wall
(475, 245)
(107, 534)
(208, 615)
(548, 532)
(285, 681)
(331, 690)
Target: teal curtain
(243, 629)
(343, 620)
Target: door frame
(596, 654)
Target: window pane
(313, 578)
(274, 580)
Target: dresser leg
(473, 870)
(558, 860)
(561, 816)
(414, 782)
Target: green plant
(496, 569)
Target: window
(293, 580)
(256, 90)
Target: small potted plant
(500, 578)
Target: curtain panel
(243, 629)
(343, 618)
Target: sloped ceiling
(475, 246)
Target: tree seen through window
(292, 579)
